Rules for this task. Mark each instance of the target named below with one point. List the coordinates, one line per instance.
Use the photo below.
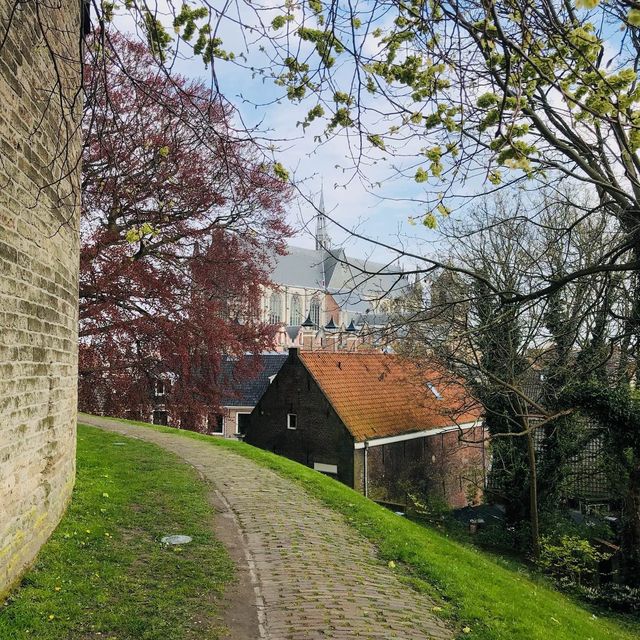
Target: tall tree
(181, 218)
(523, 359)
(474, 92)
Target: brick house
(242, 394)
(377, 423)
(241, 383)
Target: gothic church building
(324, 299)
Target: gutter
(366, 470)
(377, 442)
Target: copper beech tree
(180, 220)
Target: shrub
(556, 524)
(570, 560)
(431, 509)
(496, 536)
(616, 597)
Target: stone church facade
(324, 299)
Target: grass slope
(104, 574)
(486, 599)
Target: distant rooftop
(245, 391)
(352, 281)
(378, 395)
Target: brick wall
(39, 150)
(448, 466)
(319, 436)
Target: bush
(431, 509)
(512, 538)
(496, 536)
(616, 597)
(570, 560)
(556, 524)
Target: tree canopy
(181, 219)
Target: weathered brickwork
(39, 207)
(449, 466)
(319, 436)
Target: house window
(275, 308)
(295, 317)
(160, 417)
(314, 311)
(161, 388)
(215, 422)
(242, 422)
(292, 421)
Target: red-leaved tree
(181, 217)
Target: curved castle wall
(39, 210)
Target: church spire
(322, 237)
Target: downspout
(366, 469)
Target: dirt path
(304, 574)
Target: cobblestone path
(312, 575)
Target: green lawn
(104, 573)
(481, 594)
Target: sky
(319, 167)
(382, 212)
(375, 213)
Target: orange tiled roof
(378, 395)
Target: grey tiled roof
(300, 268)
(246, 392)
(351, 280)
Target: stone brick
(39, 244)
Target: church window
(295, 317)
(275, 308)
(314, 311)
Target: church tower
(322, 237)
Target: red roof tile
(378, 395)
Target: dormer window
(433, 390)
(161, 388)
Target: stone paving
(314, 576)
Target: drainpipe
(366, 469)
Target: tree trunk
(631, 502)
(533, 492)
(631, 527)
